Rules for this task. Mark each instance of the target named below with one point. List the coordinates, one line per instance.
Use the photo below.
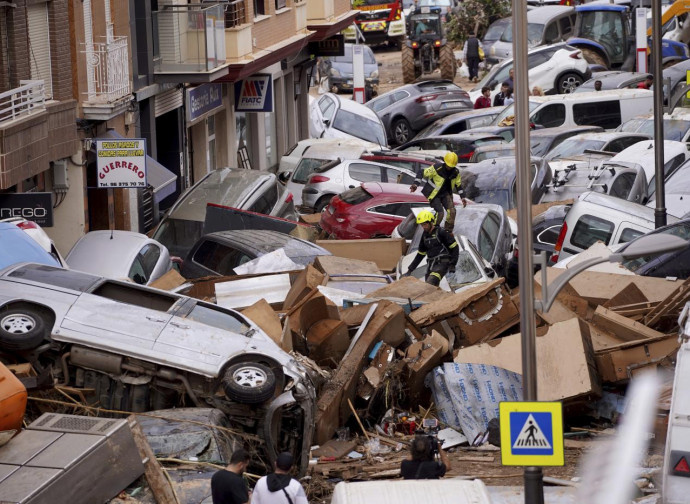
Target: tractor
(426, 48)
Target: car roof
(467, 114)
(227, 186)
(644, 150)
(618, 204)
(354, 107)
(465, 135)
(115, 251)
(264, 241)
(559, 130)
(607, 136)
(592, 95)
(547, 12)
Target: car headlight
(374, 74)
(334, 72)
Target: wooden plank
(624, 328)
(671, 301)
(159, 484)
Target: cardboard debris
(630, 294)
(302, 286)
(334, 448)
(168, 281)
(332, 409)
(565, 360)
(331, 265)
(422, 357)
(266, 318)
(327, 341)
(385, 252)
(247, 291)
(410, 288)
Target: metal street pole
(534, 484)
(660, 209)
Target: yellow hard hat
(451, 159)
(425, 216)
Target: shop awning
(158, 176)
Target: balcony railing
(190, 38)
(107, 65)
(22, 101)
(235, 13)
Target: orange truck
(379, 21)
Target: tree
(475, 15)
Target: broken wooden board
(565, 360)
(630, 294)
(623, 328)
(410, 288)
(168, 281)
(385, 252)
(327, 341)
(335, 448)
(332, 409)
(332, 265)
(306, 282)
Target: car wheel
(249, 383)
(402, 132)
(322, 203)
(568, 83)
(22, 327)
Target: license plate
(374, 26)
(452, 104)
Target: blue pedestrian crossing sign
(531, 433)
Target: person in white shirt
(279, 487)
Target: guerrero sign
(121, 163)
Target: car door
(122, 317)
(362, 172)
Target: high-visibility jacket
(434, 181)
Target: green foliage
(475, 14)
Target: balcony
(190, 41)
(108, 80)
(33, 132)
(328, 17)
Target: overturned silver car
(135, 348)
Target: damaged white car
(133, 348)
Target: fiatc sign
(121, 163)
(254, 94)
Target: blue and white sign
(203, 99)
(531, 433)
(254, 94)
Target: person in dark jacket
(499, 99)
(438, 246)
(472, 57)
(279, 487)
(227, 485)
(422, 464)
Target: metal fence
(108, 70)
(22, 101)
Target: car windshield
(493, 153)
(495, 31)
(495, 196)
(534, 32)
(306, 167)
(674, 129)
(347, 57)
(574, 146)
(465, 271)
(360, 127)
(179, 235)
(682, 230)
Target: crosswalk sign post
(531, 433)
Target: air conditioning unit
(64, 459)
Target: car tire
(402, 131)
(22, 327)
(408, 68)
(322, 203)
(568, 83)
(249, 383)
(447, 63)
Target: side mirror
(283, 177)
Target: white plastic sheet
(467, 395)
(272, 262)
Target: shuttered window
(39, 45)
(167, 101)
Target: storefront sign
(254, 94)
(203, 99)
(332, 46)
(33, 206)
(121, 163)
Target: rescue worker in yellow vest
(441, 181)
(438, 246)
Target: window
(549, 236)
(621, 144)
(465, 271)
(606, 114)
(629, 234)
(589, 229)
(217, 257)
(211, 151)
(550, 116)
(306, 167)
(397, 209)
(566, 26)
(487, 236)
(327, 107)
(669, 168)
(144, 264)
(39, 45)
(216, 317)
(381, 103)
(266, 201)
(365, 172)
(622, 185)
(355, 196)
(551, 33)
(271, 138)
(281, 4)
(400, 95)
(259, 8)
(398, 177)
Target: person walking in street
(279, 487)
(484, 101)
(442, 180)
(499, 99)
(438, 246)
(472, 57)
(227, 485)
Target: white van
(608, 109)
(602, 217)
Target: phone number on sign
(124, 184)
